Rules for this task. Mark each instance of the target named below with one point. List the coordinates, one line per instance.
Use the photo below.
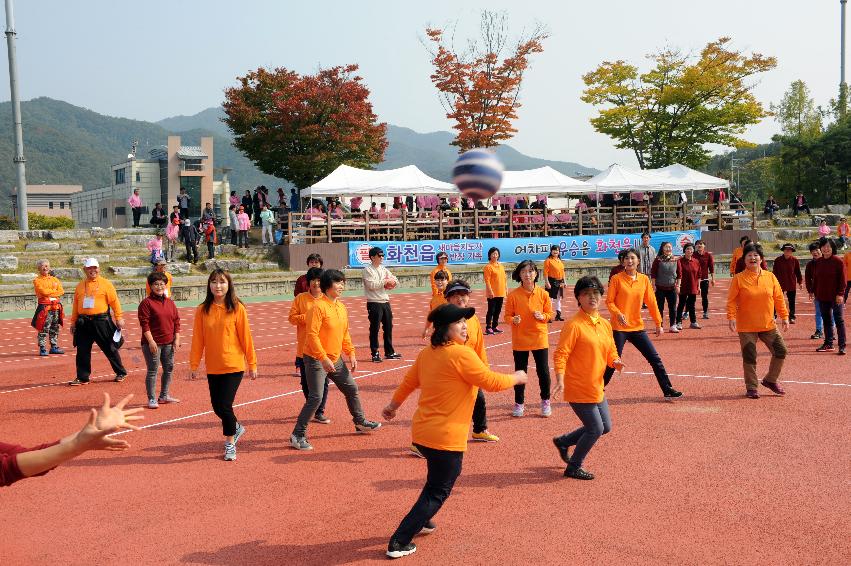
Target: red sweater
(788, 272)
(707, 264)
(159, 315)
(828, 278)
(301, 286)
(9, 470)
(689, 276)
(615, 270)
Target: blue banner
(512, 250)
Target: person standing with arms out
(183, 202)
(527, 310)
(160, 325)
(737, 254)
(301, 307)
(585, 350)
(707, 274)
(267, 218)
(554, 278)
(49, 313)
(243, 221)
(815, 252)
(377, 280)
(754, 296)
(627, 291)
(448, 375)
(495, 286)
(441, 280)
(160, 267)
(190, 240)
(829, 287)
(442, 265)
(665, 273)
(135, 202)
(326, 341)
(221, 335)
(95, 303)
(787, 270)
(688, 284)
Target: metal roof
(191, 152)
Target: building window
(120, 211)
(62, 205)
(119, 176)
(138, 177)
(50, 205)
(103, 212)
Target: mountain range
(67, 144)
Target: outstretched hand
(104, 421)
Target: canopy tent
(618, 179)
(350, 181)
(543, 180)
(686, 178)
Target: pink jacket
(135, 201)
(244, 221)
(824, 230)
(155, 244)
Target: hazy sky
(153, 59)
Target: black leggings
(223, 388)
(542, 368)
(494, 310)
(704, 295)
(671, 296)
(686, 303)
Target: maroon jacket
(614, 271)
(788, 272)
(707, 264)
(689, 276)
(828, 278)
(159, 316)
(9, 470)
(301, 285)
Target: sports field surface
(712, 478)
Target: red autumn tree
(478, 91)
(302, 127)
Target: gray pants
(596, 421)
(316, 375)
(166, 357)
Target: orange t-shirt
(476, 338)
(224, 338)
(495, 279)
(47, 287)
(625, 297)
(530, 334)
(104, 294)
(167, 286)
(737, 253)
(554, 268)
(434, 290)
(847, 259)
(302, 305)
(753, 299)
(328, 330)
(584, 350)
(448, 378)
(436, 300)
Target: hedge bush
(42, 222)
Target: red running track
(712, 478)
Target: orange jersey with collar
(495, 278)
(47, 287)
(753, 299)
(625, 296)
(328, 330)
(434, 290)
(847, 259)
(554, 268)
(586, 347)
(436, 300)
(530, 334)
(104, 295)
(301, 307)
(223, 338)
(476, 338)
(737, 254)
(448, 378)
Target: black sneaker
(393, 356)
(78, 381)
(396, 550)
(841, 351)
(562, 450)
(578, 473)
(673, 393)
(817, 335)
(120, 377)
(367, 426)
(376, 358)
(428, 528)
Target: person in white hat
(95, 305)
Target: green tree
(302, 127)
(798, 114)
(668, 114)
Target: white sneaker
(674, 329)
(546, 409)
(230, 452)
(519, 410)
(679, 326)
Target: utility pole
(843, 87)
(18, 159)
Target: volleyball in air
(478, 173)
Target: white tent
(543, 180)
(349, 181)
(686, 178)
(618, 179)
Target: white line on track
(740, 379)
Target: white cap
(91, 262)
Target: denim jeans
(166, 357)
(831, 314)
(642, 343)
(819, 323)
(299, 363)
(596, 421)
(316, 375)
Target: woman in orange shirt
(527, 309)
(554, 278)
(494, 291)
(448, 375)
(754, 296)
(301, 307)
(584, 350)
(442, 265)
(222, 335)
(441, 279)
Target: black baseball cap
(449, 313)
(375, 251)
(456, 286)
(787, 246)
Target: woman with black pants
(447, 373)
(665, 273)
(494, 290)
(222, 335)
